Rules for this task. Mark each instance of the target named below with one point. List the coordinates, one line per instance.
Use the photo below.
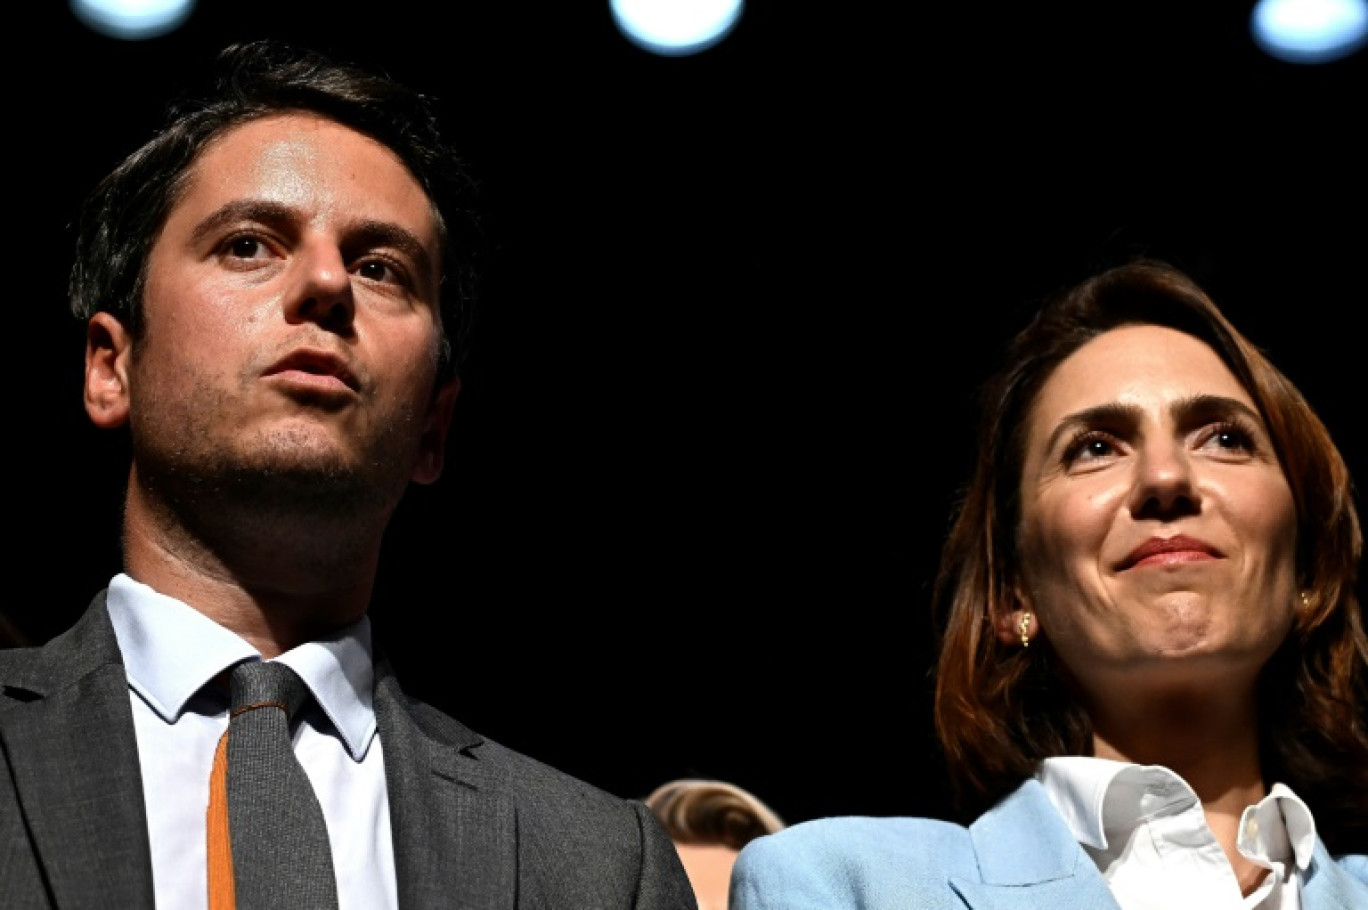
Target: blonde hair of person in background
(709, 822)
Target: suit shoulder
(589, 842)
(17, 668)
(17, 659)
(1356, 864)
(846, 861)
(534, 775)
(518, 773)
(861, 839)
(32, 671)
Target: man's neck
(277, 587)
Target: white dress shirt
(170, 652)
(1145, 828)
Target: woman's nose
(1164, 484)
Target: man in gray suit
(275, 291)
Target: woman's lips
(1169, 551)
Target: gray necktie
(281, 855)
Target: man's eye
(379, 270)
(244, 247)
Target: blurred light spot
(1310, 31)
(132, 20)
(676, 27)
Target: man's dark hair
(123, 215)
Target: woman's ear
(1018, 625)
(108, 348)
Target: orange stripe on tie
(220, 848)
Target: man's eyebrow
(241, 210)
(369, 232)
(386, 233)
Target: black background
(718, 404)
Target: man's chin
(301, 471)
(298, 483)
(297, 467)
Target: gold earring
(1305, 599)
(1025, 628)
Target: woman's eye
(1090, 447)
(1096, 448)
(1232, 439)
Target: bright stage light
(1310, 31)
(132, 20)
(676, 27)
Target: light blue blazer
(1019, 855)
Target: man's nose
(323, 290)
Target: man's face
(292, 326)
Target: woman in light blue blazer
(1152, 682)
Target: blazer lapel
(73, 754)
(455, 837)
(1029, 858)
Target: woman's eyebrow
(1113, 412)
(1183, 410)
(1207, 406)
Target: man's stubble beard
(285, 480)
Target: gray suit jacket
(1020, 855)
(475, 825)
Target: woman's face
(1158, 532)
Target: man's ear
(107, 352)
(1007, 625)
(432, 447)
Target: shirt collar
(1078, 786)
(170, 651)
(1279, 819)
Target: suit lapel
(455, 837)
(1029, 858)
(73, 754)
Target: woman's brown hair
(1000, 710)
